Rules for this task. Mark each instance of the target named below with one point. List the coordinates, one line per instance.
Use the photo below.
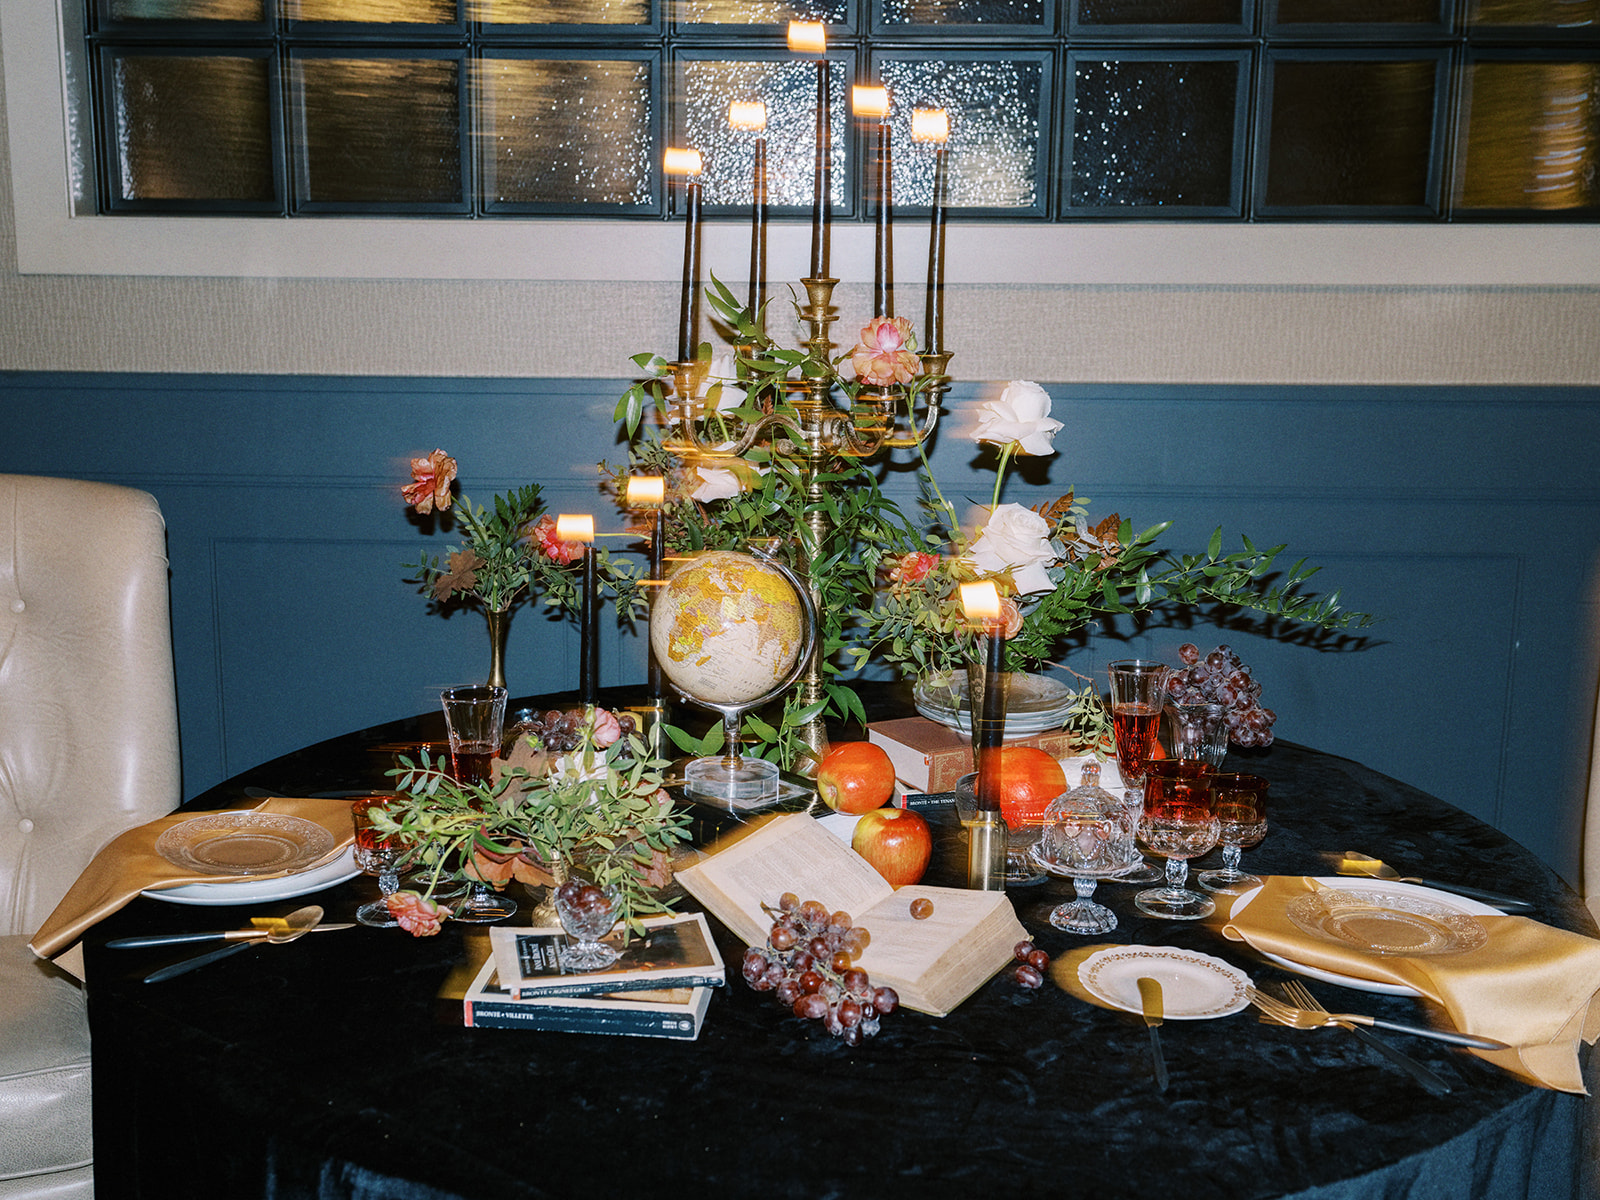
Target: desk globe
(731, 631)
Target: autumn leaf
(461, 574)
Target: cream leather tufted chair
(88, 748)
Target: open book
(934, 964)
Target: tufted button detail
(25, 825)
(18, 605)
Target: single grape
(782, 937)
(855, 982)
(921, 908)
(1021, 951)
(840, 962)
(885, 999)
(788, 902)
(1039, 959)
(1028, 975)
(810, 1006)
(1189, 653)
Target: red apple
(896, 841)
(855, 777)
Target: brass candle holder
(808, 426)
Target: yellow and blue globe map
(727, 628)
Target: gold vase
(499, 623)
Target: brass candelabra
(807, 426)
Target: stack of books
(660, 987)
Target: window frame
(57, 234)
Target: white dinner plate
(1194, 986)
(256, 891)
(1355, 883)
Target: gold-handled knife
(1353, 862)
(1150, 1001)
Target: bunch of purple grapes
(1220, 678)
(562, 732)
(808, 962)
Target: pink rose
(607, 728)
(1010, 618)
(884, 355)
(431, 478)
(543, 534)
(914, 567)
(418, 916)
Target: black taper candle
(658, 573)
(689, 301)
(933, 323)
(822, 184)
(883, 246)
(991, 729)
(589, 627)
(758, 230)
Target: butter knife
(229, 935)
(1150, 999)
(1352, 862)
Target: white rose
(722, 370)
(716, 483)
(1015, 540)
(1021, 415)
(724, 482)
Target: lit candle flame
(808, 37)
(980, 601)
(870, 101)
(579, 527)
(930, 125)
(747, 114)
(682, 162)
(646, 491)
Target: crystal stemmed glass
(1240, 802)
(1138, 694)
(587, 913)
(376, 855)
(474, 719)
(1178, 823)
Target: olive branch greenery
(598, 809)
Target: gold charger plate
(244, 843)
(1388, 923)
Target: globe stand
(738, 781)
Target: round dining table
(332, 1066)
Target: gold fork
(1301, 996)
(1306, 1018)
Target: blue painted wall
(1469, 518)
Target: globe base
(732, 778)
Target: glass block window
(1059, 110)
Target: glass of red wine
(474, 719)
(1138, 695)
(1240, 802)
(1179, 822)
(376, 855)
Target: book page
(791, 853)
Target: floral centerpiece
(599, 809)
(889, 584)
(509, 552)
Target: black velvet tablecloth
(327, 1068)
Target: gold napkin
(129, 864)
(1529, 985)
